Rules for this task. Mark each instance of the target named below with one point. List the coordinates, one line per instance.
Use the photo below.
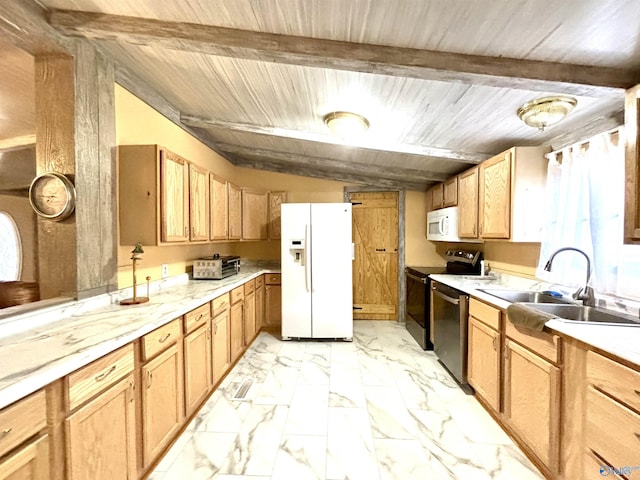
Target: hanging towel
(524, 316)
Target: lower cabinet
(532, 401)
(197, 367)
(236, 319)
(31, 462)
(273, 301)
(221, 340)
(259, 302)
(484, 362)
(101, 438)
(249, 315)
(162, 402)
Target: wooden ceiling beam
(365, 143)
(338, 176)
(580, 80)
(295, 161)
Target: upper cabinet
(510, 187)
(174, 197)
(468, 203)
(437, 196)
(276, 199)
(198, 204)
(450, 192)
(632, 166)
(235, 212)
(254, 215)
(219, 208)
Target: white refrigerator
(317, 256)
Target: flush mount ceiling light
(544, 112)
(346, 124)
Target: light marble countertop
(622, 341)
(61, 339)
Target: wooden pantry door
(375, 268)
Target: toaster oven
(210, 268)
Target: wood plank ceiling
(439, 82)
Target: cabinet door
(259, 308)
(273, 305)
(450, 192)
(174, 199)
(235, 212)
(632, 166)
(237, 336)
(495, 197)
(532, 401)
(30, 462)
(254, 215)
(162, 402)
(249, 318)
(437, 196)
(484, 362)
(197, 366)
(101, 436)
(221, 356)
(276, 199)
(428, 201)
(468, 204)
(198, 204)
(219, 209)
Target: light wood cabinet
(101, 436)
(437, 196)
(510, 187)
(276, 199)
(249, 318)
(259, 302)
(632, 165)
(198, 204)
(468, 203)
(219, 208)
(221, 353)
(484, 362)
(532, 401)
(450, 192)
(428, 200)
(273, 301)
(254, 215)
(236, 320)
(197, 366)
(30, 462)
(162, 401)
(235, 211)
(174, 197)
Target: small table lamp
(136, 254)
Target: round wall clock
(52, 196)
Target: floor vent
(243, 389)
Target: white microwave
(442, 225)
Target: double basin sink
(562, 307)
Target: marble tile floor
(377, 408)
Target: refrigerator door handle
(307, 270)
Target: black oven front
(418, 301)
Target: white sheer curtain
(584, 207)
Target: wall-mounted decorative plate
(52, 196)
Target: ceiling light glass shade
(346, 124)
(544, 112)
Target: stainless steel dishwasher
(450, 317)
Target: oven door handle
(455, 301)
(416, 278)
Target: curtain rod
(612, 132)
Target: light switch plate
(165, 270)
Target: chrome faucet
(585, 293)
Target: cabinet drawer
(544, 344)
(249, 287)
(22, 420)
(485, 313)
(220, 304)
(617, 380)
(272, 279)
(156, 341)
(237, 294)
(613, 430)
(260, 282)
(592, 465)
(99, 375)
(197, 317)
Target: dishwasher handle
(455, 301)
(416, 278)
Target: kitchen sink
(582, 313)
(524, 296)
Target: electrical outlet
(165, 270)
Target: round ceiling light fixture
(346, 124)
(546, 111)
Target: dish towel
(525, 316)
